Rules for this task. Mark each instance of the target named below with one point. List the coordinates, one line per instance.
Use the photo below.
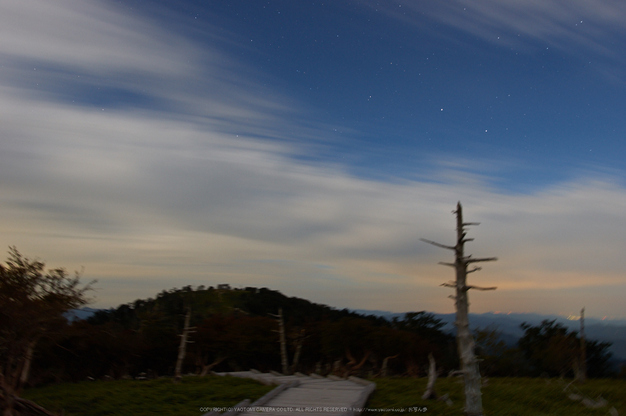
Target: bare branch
(451, 283)
(447, 264)
(468, 261)
(480, 288)
(465, 224)
(437, 244)
(475, 269)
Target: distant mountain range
(78, 314)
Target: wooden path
(304, 395)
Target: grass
(194, 396)
(501, 396)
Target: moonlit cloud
(200, 178)
(591, 31)
(88, 36)
(561, 24)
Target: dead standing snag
(465, 341)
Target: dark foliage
(32, 304)
(235, 331)
(550, 349)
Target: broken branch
(480, 288)
(434, 243)
(468, 261)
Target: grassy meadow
(146, 398)
(501, 396)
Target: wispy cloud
(198, 184)
(588, 29)
(89, 36)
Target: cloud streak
(591, 30)
(202, 186)
(88, 36)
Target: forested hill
(224, 301)
(237, 329)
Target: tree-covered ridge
(222, 300)
(236, 329)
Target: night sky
(307, 146)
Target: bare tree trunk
(28, 358)
(19, 406)
(284, 359)
(432, 377)
(296, 356)
(207, 367)
(182, 348)
(383, 370)
(465, 345)
(283, 342)
(582, 367)
(465, 341)
(353, 365)
(15, 378)
(336, 368)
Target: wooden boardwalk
(307, 395)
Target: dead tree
(432, 377)
(25, 407)
(182, 348)
(581, 374)
(283, 341)
(465, 341)
(205, 368)
(299, 338)
(353, 364)
(385, 366)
